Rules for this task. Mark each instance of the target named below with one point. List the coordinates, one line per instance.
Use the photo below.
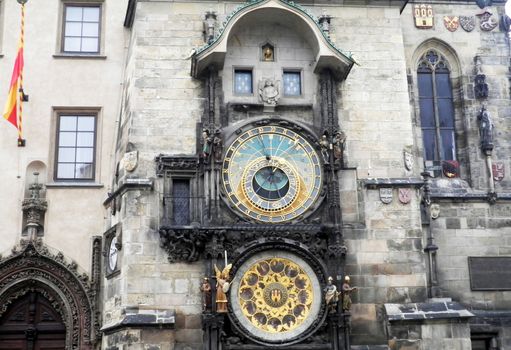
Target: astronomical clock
(271, 174)
(270, 241)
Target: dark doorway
(31, 323)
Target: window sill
(74, 185)
(79, 56)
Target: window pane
(65, 171)
(89, 45)
(446, 112)
(73, 13)
(67, 123)
(67, 139)
(90, 29)
(243, 82)
(181, 202)
(73, 29)
(72, 44)
(448, 145)
(83, 171)
(443, 85)
(84, 155)
(428, 137)
(86, 123)
(427, 112)
(425, 84)
(85, 139)
(292, 83)
(66, 155)
(91, 14)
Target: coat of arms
(487, 21)
(468, 23)
(423, 15)
(498, 171)
(386, 195)
(405, 195)
(451, 23)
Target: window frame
(293, 70)
(62, 31)
(461, 134)
(93, 181)
(244, 69)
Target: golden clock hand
(264, 147)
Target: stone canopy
(261, 12)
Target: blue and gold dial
(271, 174)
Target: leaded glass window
(180, 202)
(292, 84)
(243, 82)
(436, 107)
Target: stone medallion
(468, 23)
(451, 23)
(130, 161)
(275, 296)
(434, 211)
(386, 195)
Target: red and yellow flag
(14, 108)
(11, 107)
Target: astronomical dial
(271, 174)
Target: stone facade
(170, 111)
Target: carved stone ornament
(487, 22)
(423, 15)
(468, 23)
(434, 211)
(451, 168)
(130, 160)
(451, 23)
(386, 195)
(269, 91)
(189, 163)
(405, 195)
(408, 159)
(32, 267)
(498, 171)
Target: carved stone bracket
(176, 163)
(32, 267)
(190, 244)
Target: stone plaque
(386, 195)
(498, 171)
(490, 273)
(451, 23)
(423, 15)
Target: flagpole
(21, 141)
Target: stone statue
(269, 91)
(331, 295)
(217, 146)
(325, 146)
(485, 130)
(346, 294)
(205, 288)
(338, 146)
(222, 287)
(207, 140)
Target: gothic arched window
(436, 108)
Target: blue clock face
(272, 174)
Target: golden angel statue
(222, 287)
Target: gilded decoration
(275, 295)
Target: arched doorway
(31, 323)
